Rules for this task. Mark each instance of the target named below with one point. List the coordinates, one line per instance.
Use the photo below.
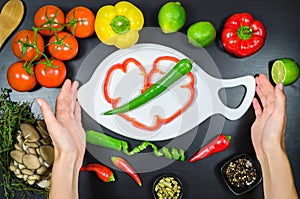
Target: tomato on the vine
(80, 22)
(24, 45)
(50, 73)
(63, 46)
(19, 78)
(50, 18)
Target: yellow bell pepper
(119, 25)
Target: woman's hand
(267, 133)
(268, 130)
(68, 137)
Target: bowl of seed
(241, 173)
(167, 187)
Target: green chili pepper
(180, 69)
(101, 139)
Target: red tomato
(24, 45)
(50, 74)
(19, 79)
(63, 46)
(49, 17)
(80, 22)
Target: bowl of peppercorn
(241, 173)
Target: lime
(171, 17)
(201, 34)
(285, 70)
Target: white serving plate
(206, 103)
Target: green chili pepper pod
(180, 69)
(100, 139)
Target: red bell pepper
(159, 121)
(220, 143)
(243, 35)
(104, 173)
(125, 166)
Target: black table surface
(201, 179)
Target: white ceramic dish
(206, 102)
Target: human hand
(65, 127)
(268, 130)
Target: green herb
(12, 114)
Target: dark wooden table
(201, 179)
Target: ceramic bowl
(167, 185)
(241, 173)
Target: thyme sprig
(12, 114)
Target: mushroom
(34, 177)
(21, 166)
(17, 171)
(12, 168)
(45, 141)
(18, 147)
(42, 170)
(29, 132)
(42, 128)
(19, 175)
(20, 138)
(27, 172)
(32, 150)
(31, 144)
(17, 155)
(44, 183)
(31, 182)
(31, 161)
(25, 177)
(47, 153)
(33, 155)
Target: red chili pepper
(125, 166)
(243, 35)
(220, 143)
(103, 172)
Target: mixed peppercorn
(241, 172)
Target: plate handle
(235, 113)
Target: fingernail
(280, 86)
(39, 102)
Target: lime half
(285, 70)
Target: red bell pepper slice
(123, 67)
(243, 35)
(159, 121)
